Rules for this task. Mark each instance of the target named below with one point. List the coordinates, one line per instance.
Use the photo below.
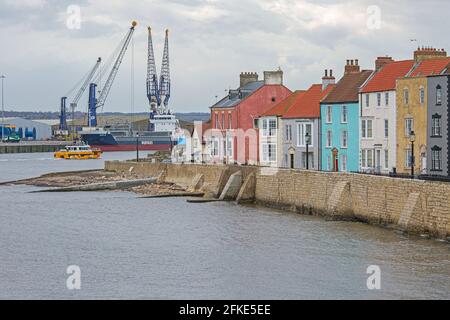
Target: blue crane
(95, 103)
(73, 105)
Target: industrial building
(28, 129)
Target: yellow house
(412, 101)
(411, 116)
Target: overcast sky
(211, 42)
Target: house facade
(378, 142)
(301, 128)
(235, 116)
(340, 121)
(438, 135)
(270, 131)
(412, 110)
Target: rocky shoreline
(84, 178)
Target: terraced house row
(392, 118)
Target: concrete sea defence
(412, 205)
(32, 147)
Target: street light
(308, 142)
(137, 146)
(3, 109)
(412, 139)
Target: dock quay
(32, 146)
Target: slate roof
(385, 79)
(234, 98)
(347, 89)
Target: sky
(44, 51)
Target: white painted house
(378, 127)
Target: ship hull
(106, 142)
(132, 147)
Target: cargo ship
(121, 137)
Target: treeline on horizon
(39, 115)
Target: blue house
(340, 121)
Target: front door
(292, 161)
(335, 160)
(378, 161)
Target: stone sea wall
(412, 205)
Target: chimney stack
(382, 61)
(248, 77)
(428, 53)
(352, 66)
(327, 79)
(273, 77)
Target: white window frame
(386, 128)
(269, 155)
(344, 133)
(329, 114)
(411, 127)
(436, 130)
(422, 95)
(344, 163)
(436, 158)
(267, 129)
(367, 159)
(301, 132)
(344, 114)
(386, 159)
(329, 139)
(365, 129)
(438, 95)
(367, 100)
(408, 156)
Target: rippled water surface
(166, 248)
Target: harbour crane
(164, 84)
(152, 78)
(95, 103)
(73, 105)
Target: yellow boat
(78, 153)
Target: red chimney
(381, 61)
(352, 66)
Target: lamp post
(3, 108)
(412, 139)
(137, 146)
(308, 141)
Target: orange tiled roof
(385, 79)
(282, 107)
(308, 105)
(430, 67)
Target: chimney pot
(326, 73)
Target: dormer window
(438, 95)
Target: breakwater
(411, 205)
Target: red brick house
(234, 116)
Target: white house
(378, 141)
